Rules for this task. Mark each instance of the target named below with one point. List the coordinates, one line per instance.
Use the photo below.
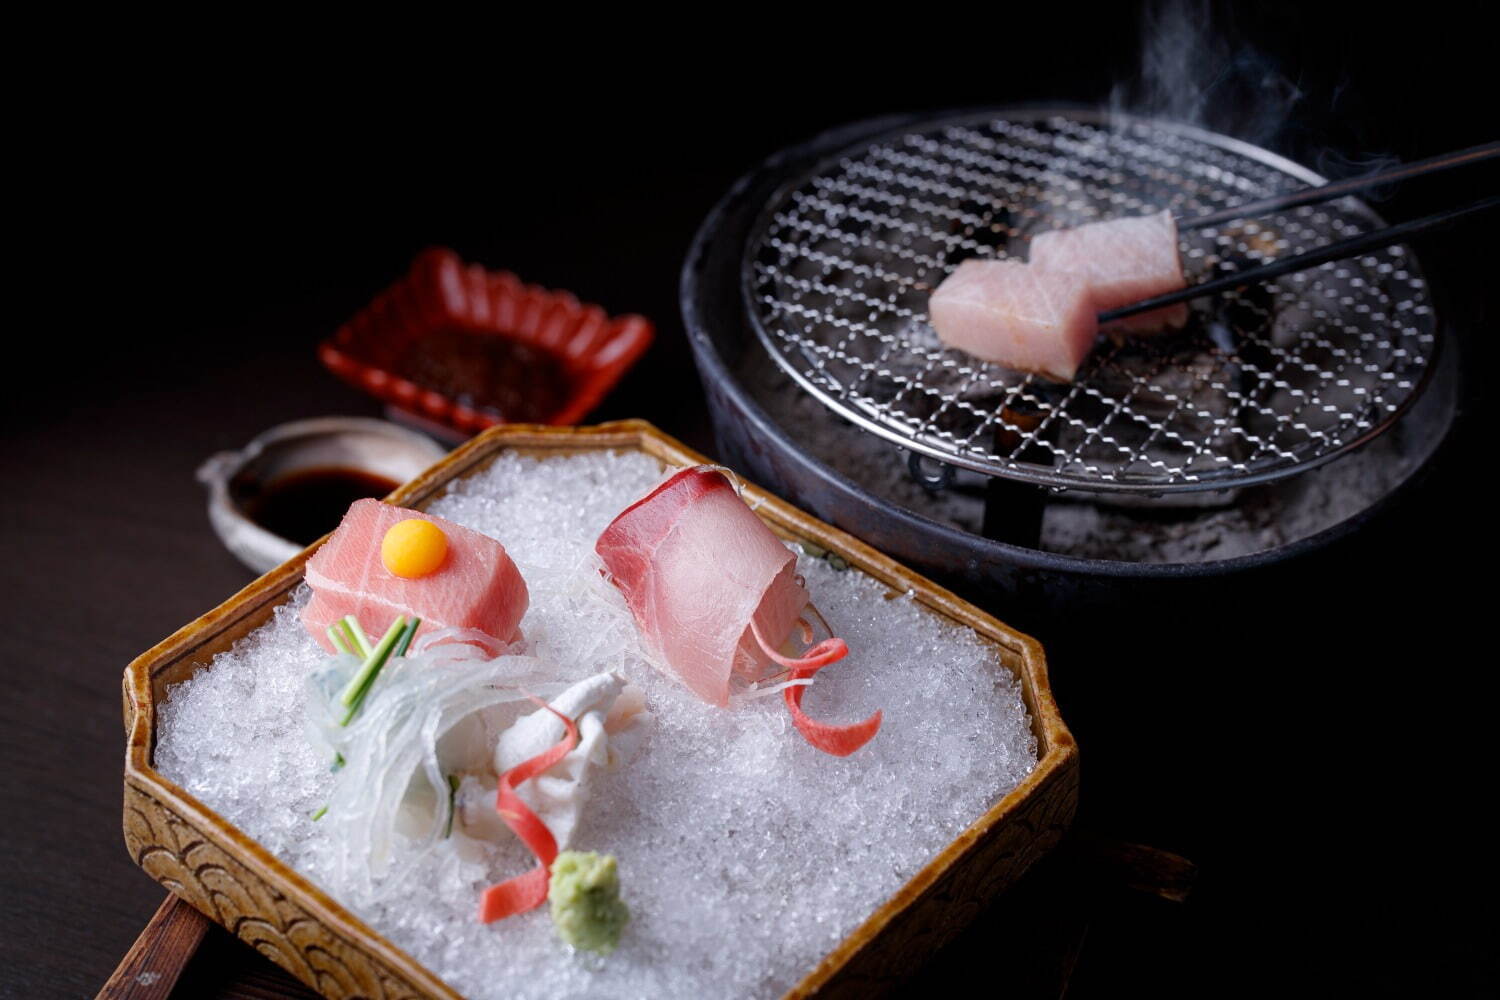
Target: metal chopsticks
(1353, 246)
(1334, 251)
(1337, 189)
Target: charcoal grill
(1267, 382)
(816, 267)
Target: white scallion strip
(756, 693)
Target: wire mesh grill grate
(1262, 383)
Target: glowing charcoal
(1125, 261)
(475, 586)
(1017, 316)
(697, 567)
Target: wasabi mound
(585, 897)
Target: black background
(209, 211)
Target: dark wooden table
(1319, 749)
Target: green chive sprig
(358, 642)
(396, 641)
(452, 804)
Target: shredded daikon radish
(392, 791)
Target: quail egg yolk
(413, 548)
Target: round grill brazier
(783, 270)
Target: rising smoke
(1198, 68)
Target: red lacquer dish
(469, 348)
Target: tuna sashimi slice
(696, 567)
(1125, 261)
(1017, 316)
(477, 586)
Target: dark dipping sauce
(512, 381)
(305, 505)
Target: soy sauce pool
(305, 505)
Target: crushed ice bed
(745, 855)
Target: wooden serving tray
(206, 861)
